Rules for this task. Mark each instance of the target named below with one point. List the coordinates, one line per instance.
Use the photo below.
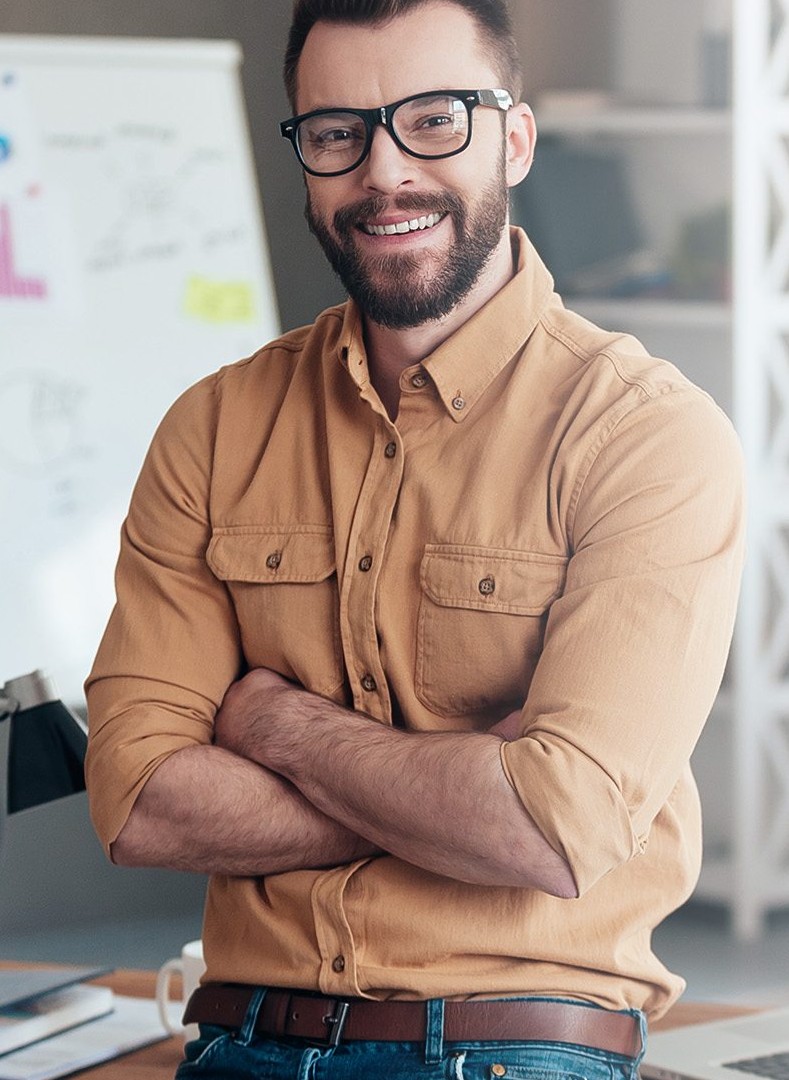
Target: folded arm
(440, 800)
(207, 810)
(635, 647)
(161, 794)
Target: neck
(389, 351)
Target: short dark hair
(492, 17)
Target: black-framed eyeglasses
(436, 124)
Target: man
(420, 612)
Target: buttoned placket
(368, 539)
(367, 542)
(368, 533)
(358, 583)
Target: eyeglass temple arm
(497, 99)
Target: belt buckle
(335, 1022)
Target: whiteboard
(133, 261)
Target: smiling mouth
(428, 221)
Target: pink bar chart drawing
(13, 284)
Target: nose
(386, 168)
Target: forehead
(436, 45)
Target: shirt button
(365, 563)
(487, 586)
(390, 449)
(368, 683)
(273, 560)
(458, 403)
(418, 381)
(338, 964)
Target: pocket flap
(491, 579)
(270, 556)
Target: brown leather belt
(328, 1020)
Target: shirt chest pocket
(481, 623)
(284, 587)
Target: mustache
(375, 206)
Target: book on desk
(47, 1014)
(52, 1024)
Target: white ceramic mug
(190, 965)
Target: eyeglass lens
(433, 125)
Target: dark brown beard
(405, 300)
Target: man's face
(406, 279)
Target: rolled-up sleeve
(171, 647)
(636, 646)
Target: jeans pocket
(201, 1052)
(538, 1061)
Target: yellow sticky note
(219, 301)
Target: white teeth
(426, 222)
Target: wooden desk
(159, 1062)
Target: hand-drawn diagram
(160, 200)
(40, 419)
(163, 200)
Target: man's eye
(433, 126)
(334, 138)
(436, 120)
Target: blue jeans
(220, 1054)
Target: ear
(521, 138)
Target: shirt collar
(464, 365)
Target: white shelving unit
(679, 164)
(756, 876)
(678, 313)
(646, 121)
(681, 158)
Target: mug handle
(166, 971)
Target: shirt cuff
(575, 805)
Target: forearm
(207, 810)
(440, 801)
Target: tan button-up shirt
(553, 521)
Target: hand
(246, 706)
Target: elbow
(546, 870)
(131, 847)
(562, 884)
(123, 854)
(555, 879)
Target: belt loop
(642, 1027)
(307, 1064)
(247, 1030)
(434, 1038)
